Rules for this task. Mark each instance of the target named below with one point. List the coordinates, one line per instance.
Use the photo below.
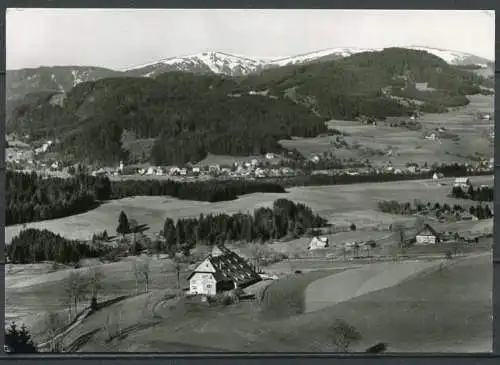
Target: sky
(121, 38)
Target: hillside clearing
(407, 145)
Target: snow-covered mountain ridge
(225, 63)
(63, 78)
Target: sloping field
(33, 290)
(356, 203)
(408, 145)
(447, 310)
(349, 284)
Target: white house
(260, 172)
(318, 243)
(431, 137)
(150, 171)
(463, 182)
(223, 271)
(315, 158)
(427, 236)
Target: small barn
(220, 272)
(318, 243)
(427, 236)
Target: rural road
(352, 283)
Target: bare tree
(419, 223)
(142, 274)
(76, 290)
(94, 276)
(400, 231)
(177, 269)
(113, 324)
(53, 325)
(344, 336)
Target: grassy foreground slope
(446, 310)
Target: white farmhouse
(463, 182)
(427, 236)
(174, 170)
(431, 137)
(318, 243)
(225, 271)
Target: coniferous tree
(123, 225)
(19, 341)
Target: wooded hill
(353, 86)
(189, 115)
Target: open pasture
(374, 142)
(443, 310)
(33, 290)
(447, 310)
(341, 204)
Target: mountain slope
(57, 78)
(456, 58)
(206, 62)
(62, 78)
(187, 115)
(366, 83)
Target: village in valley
(165, 209)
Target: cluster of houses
(252, 168)
(429, 235)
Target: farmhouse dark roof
(428, 228)
(231, 267)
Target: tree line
(211, 191)
(31, 198)
(35, 245)
(284, 218)
(408, 208)
(481, 193)
(453, 170)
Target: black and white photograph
(264, 181)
